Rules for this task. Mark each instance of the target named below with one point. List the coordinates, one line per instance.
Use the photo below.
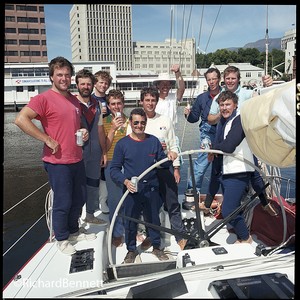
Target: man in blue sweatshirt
(134, 154)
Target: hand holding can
(79, 137)
(103, 107)
(134, 180)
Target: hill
(260, 45)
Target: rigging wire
(24, 198)
(267, 45)
(23, 235)
(171, 36)
(213, 28)
(200, 29)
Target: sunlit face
(213, 81)
(164, 86)
(61, 79)
(227, 107)
(149, 103)
(138, 124)
(101, 85)
(115, 105)
(231, 81)
(85, 87)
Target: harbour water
(26, 184)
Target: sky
(213, 26)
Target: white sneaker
(80, 236)
(65, 247)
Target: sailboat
(212, 265)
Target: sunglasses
(139, 122)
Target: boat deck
(54, 274)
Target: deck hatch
(82, 260)
(266, 286)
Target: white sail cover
(269, 123)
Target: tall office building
(25, 33)
(102, 32)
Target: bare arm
(213, 119)
(24, 122)
(115, 124)
(180, 82)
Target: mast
(267, 46)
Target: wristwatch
(176, 168)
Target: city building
(102, 32)
(288, 45)
(25, 34)
(159, 56)
(23, 81)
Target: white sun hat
(164, 77)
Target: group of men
(117, 148)
(74, 170)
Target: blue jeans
(234, 187)
(68, 183)
(148, 202)
(201, 164)
(168, 190)
(114, 194)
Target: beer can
(134, 180)
(79, 138)
(118, 114)
(103, 104)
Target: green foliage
(249, 55)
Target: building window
(19, 89)
(248, 74)
(10, 19)
(10, 30)
(29, 42)
(11, 42)
(31, 88)
(9, 7)
(26, 8)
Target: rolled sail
(269, 123)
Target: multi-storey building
(159, 56)
(102, 32)
(288, 45)
(25, 33)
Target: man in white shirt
(167, 103)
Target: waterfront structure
(102, 32)
(25, 33)
(23, 81)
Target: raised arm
(180, 82)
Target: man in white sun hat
(168, 99)
(167, 103)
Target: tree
(249, 55)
